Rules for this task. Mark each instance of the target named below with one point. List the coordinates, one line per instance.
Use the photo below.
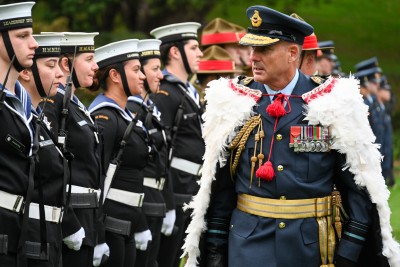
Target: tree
(134, 15)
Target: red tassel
(276, 109)
(266, 171)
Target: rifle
(62, 132)
(114, 164)
(178, 115)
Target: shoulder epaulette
(102, 116)
(246, 80)
(49, 100)
(317, 79)
(163, 92)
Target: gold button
(280, 168)
(282, 225)
(282, 198)
(279, 137)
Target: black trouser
(148, 258)
(170, 246)
(80, 258)
(8, 260)
(122, 250)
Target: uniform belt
(117, 226)
(186, 166)
(126, 197)
(52, 214)
(154, 183)
(83, 190)
(285, 209)
(319, 208)
(154, 209)
(11, 202)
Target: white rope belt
(83, 190)
(126, 197)
(11, 202)
(154, 183)
(186, 166)
(52, 214)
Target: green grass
(394, 202)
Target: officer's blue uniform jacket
(260, 241)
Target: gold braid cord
(338, 213)
(239, 142)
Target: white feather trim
(227, 108)
(344, 111)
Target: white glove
(168, 223)
(142, 239)
(74, 241)
(99, 251)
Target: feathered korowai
(229, 105)
(338, 104)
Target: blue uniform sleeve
(359, 207)
(222, 204)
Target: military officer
(126, 150)
(41, 80)
(369, 74)
(384, 97)
(17, 48)
(227, 35)
(285, 158)
(326, 59)
(179, 104)
(78, 138)
(216, 62)
(310, 52)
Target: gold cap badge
(256, 20)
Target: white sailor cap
(16, 16)
(149, 48)
(117, 52)
(83, 42)
(49, 44)
(176, 32)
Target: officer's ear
(294, 52)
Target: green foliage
(394, 203)
(360, 29)
(396, 144)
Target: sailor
(17, 48)
(126, 150)
(78, 139)
(43, 245)
(179, 104)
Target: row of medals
(311, 146)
